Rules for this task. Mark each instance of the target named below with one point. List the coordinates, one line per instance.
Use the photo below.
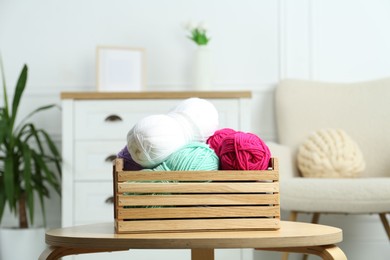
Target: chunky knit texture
(330, 153)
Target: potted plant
(30, 163)
(203, 67)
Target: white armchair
(360, 109)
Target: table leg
(202, 254)
(327, 252)
(54, 253)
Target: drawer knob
(110, 158)
(113, 118)
(110, 200)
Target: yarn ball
(194, 156)
(198, 117)
(154, 138)
(215, 140)
(244, 151)
(128, 163)
(330, 153)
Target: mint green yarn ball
(194, 156)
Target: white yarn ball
(154, 138)
(330, 153)
(198, 117)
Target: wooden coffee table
(292, 237)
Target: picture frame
(120, 69)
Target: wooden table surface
(291, 237)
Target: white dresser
(94, 129)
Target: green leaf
(50, 177)
(53, 149)
(20, 86)
(199, 36)
(29, 131)
(41, 190)
(3, 126)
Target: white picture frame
(120, 69)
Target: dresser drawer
(93, 159)
(107, 120)
(90, 204)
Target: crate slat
(212, 187)
(199, 199)
(197, 225)
(198, 212)
(199, 176)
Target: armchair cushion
(359, 195)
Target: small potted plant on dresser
(29, 169)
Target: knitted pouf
(330, 153)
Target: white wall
(335, 40)
(255, 43)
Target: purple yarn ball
(129, 163)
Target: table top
(291, 234)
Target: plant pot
(203, 69)
(21, 244)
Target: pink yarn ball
(243, 151)
(215, 140)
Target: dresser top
(156, 95)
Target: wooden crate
(184, 201)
